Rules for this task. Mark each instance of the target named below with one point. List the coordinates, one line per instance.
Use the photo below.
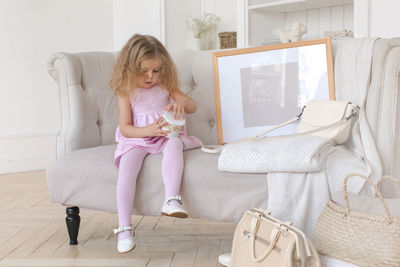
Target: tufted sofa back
(89, 108)
(89, 113)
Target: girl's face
(150, 69)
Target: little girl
(145, 78)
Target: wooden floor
(33, 233)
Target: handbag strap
(212, 149)
(289, 225)
(280, 125)
(274, 237)
(257, 136)
(377, 192)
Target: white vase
(197, 44)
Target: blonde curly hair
(127, 72)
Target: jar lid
(168, 116)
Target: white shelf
(296, 5)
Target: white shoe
(126, 244)
(225, 259)
(173, 211)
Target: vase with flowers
(203, 30)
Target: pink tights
(129, 167)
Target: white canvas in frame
(257, 88)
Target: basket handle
(378, 184)
(274, 237)
(377, 193)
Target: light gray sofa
(84, 174)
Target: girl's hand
(155, 128)
(178, 108)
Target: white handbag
(324, 118)
(321, 122)
(262, 240)
(329, 119)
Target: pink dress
(147, 106)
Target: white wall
(376, 18)
(137, 16)
(176, 28)
(30, 32)
(384, 18)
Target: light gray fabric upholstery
(89, 113)
(84, 174)
(87, 178)
(202, 123)
(383, 107)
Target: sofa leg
(73, 220)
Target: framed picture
(261, 87)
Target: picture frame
(260, 87)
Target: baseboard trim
(26, 164)
(28, 134)
(26, 151)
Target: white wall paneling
(324, 20)
(337, 18)
(312, 24)
(299, 16)
(349, 17)
(267, 19)
(261, 26)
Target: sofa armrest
(89, 112)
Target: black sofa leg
(73, 220)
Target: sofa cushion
(87, 178)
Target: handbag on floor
(357, 236)
(262, 240)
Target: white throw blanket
(301, 197)
(304, 153)
(352, 83)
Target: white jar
(174, 126)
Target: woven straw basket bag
(360, 238)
